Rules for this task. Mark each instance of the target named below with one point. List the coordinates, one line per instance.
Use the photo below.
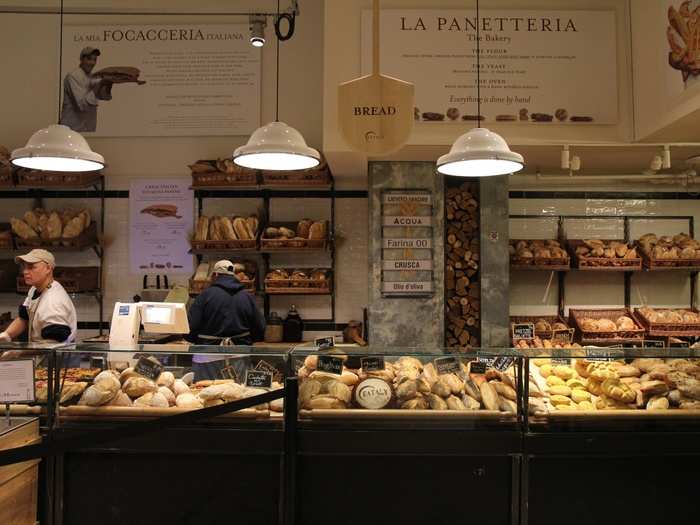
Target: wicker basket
(6, 177)
(198, 286)
(603, 263)
(221, 246)
(667, 329)
(619, 336)
(6, 236)
(298, 286)
(542, 334)
(75, 279)
(318, 176)
(291, 244)
(652, 264)
(55, 179)
(87, 239)
(538, 263)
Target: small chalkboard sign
(563, 336)
(258, 379)
(372, 364)
(653, 343)
(330, 364)
(503, 363)
(523, 331)
(267, 367)
(148, 367)
(325, 343)
(678, 344)
(447, 365)
(98, 362)
(478, 367)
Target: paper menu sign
(17, 381)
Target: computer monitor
(164, 318)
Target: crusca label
(373, 111)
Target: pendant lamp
(276, 146)
(479, 152)
(57, 147)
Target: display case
(613, 388)
(151, 381)
(397, 385)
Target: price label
(563, 336)
(148, 367)
(372, 364)
(601, 354)
(653, 343)
(503, 363)
(258, 379)
(678, 344)
(559, 357)
(330, 364)
(478, 367)
(17, 381)
(325, 343)
(267, 367)
(523, 331)
(447, 365)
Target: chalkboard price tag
(258, 379)
(653, 343)
(330, 364)
(523, 331)
(267, 367)
(563, 336)
(447, 365)
(503, 363)
(325, 343)
(478, 367)
(372, 364)
(148, 367)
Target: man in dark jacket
(224, 313)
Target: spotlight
(257, 30)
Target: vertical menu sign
(407, 243)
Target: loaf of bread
(202, 231)
(303, 228)
(317, 231)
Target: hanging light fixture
(479, 152)
(276, 146)
(57, 147)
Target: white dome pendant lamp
(479, 152)
(57, 147)
(276, 146)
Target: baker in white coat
(82, 93)
(47, 313)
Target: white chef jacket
(79, 109)
(53, 306)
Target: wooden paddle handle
(375, 37)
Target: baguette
(215, 229)
(239, 225)
(252, 222)
(227, 230)
(202, 231)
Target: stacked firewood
(462, 289)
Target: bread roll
(317, 231)
(138, 386)
(286, 232)
(168, 395)
(54, 227)
(303, 228)
(152, 399)
(120, 400)
(188, 400)
(180, 387)
(22, 229)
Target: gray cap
(37, 255)
(87, 51)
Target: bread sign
(375, 112)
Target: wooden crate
(74, 279)
(668, 329)
(652, 264)
(292, 244)
(6, 177)
(6, 236)
(299, 286)
(538, 263)
(605, 264)
(620, 336)
(87, 239)
(542, 334)
(19, 481)
(221, 246)
(317, 176)
(55, 179)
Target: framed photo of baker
(161, 219)
(160, 80)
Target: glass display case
(32, 398)
(409, 384)
(612, 387)
(150, 381)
